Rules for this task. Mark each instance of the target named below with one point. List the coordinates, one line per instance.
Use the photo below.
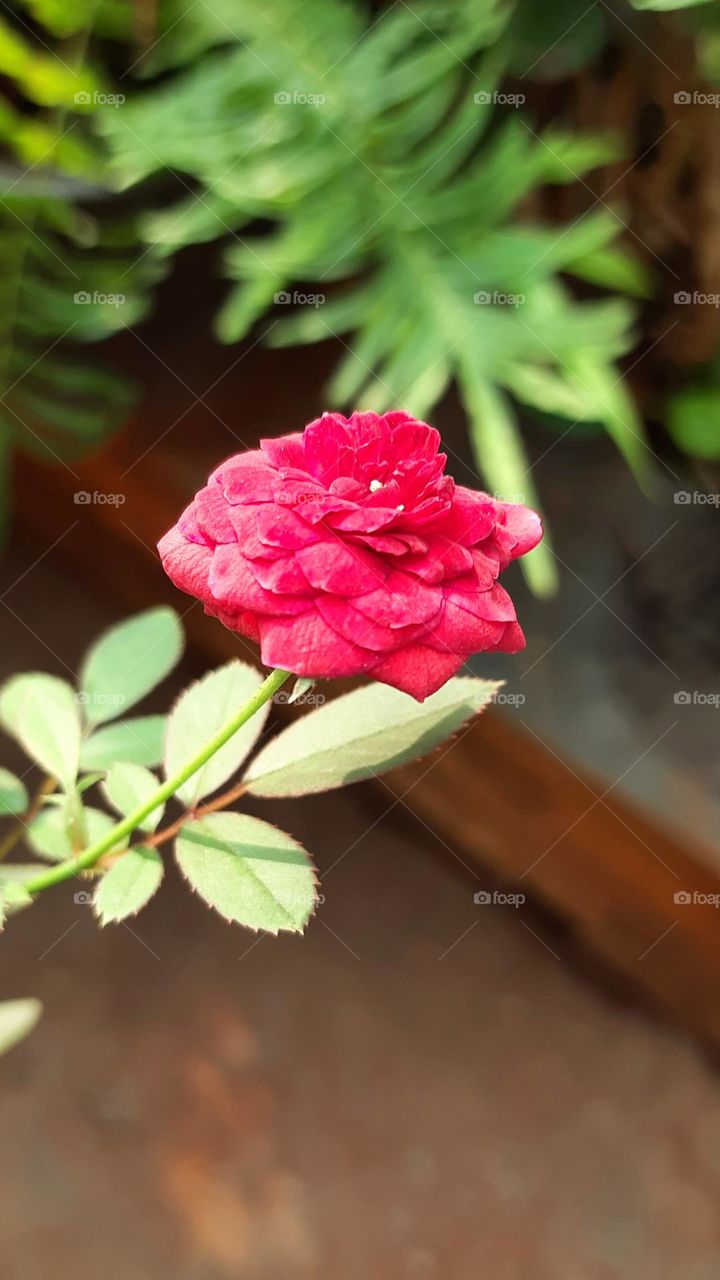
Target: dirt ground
(419, 1089)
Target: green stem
(88, 858)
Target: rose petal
(417, 670)
(335, 566)
(187, 564)
(308, 646)
(344, 618)
(235, 587)
(287, 451)
(403, 600)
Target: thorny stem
(88, 858)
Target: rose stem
(88, 858)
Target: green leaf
(17, 872)
(249, 871)
(13, 897)
(694, 421)
(130, 785)
(361, 734)
(128, 661)
(42, 712)
(128, 885)
(17, 1019)
(138, 740)
(13, 796)
(48, 836)
(200, 712)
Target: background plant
(361, 157)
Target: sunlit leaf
(361, 734)
(138, 740)
(127, 786)
(249, 871)
(128, 661)
(42, 712)
(128, 885)
(200, 712)
(17, 1019)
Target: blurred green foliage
(372, 177)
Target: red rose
(345, 550)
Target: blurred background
(219, 219)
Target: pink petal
(328, 448)
(211, 517)
(280, 527)
(187, 564)
(242, 623)
(513, 639)
(285, 451)
(403, 601)
(335, 566)
(247, 478)
(417, 670)
(349, 622)
(524, 525)
(236, 588)
(308, 646)
(461, 632)
(471, 518)
(283, 575)
(493, 605)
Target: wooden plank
(544, 828)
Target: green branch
(88, 858)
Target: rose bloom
(345, 550)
